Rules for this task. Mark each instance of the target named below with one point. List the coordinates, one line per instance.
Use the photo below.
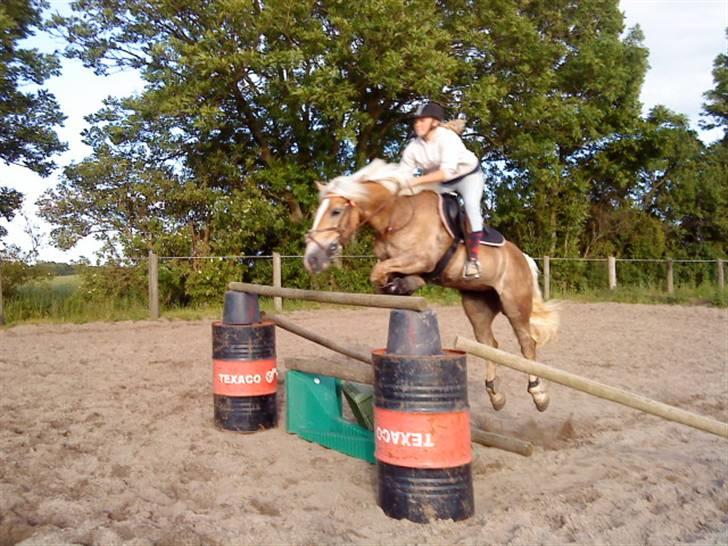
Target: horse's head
(337, 218)
(347, 202)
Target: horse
(410, 239)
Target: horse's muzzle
(318, 258)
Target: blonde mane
(392, 176)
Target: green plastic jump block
(313, 412)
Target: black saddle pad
(452, 212)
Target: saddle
(454, 218)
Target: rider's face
(424, 125)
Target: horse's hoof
(538, 392)
(390, 288)
(497, 400)
(398, 287)
(541, 400)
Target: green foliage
(704, 294)
(208, 280)
(716, 107)
(56, 269)
(266, 98)
(113, 282)
(53, 301)
(15, 274)
(28, 114)
(10, 201)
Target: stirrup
(471, 269)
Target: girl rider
(440, 154)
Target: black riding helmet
(430, 110)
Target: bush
(114, 282)
(17, 273)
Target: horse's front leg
(406, 267)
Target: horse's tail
(544, 315)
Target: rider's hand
(406, 186)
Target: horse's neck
(378, 207)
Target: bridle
(334, 245)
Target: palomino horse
(410, 239)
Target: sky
(683, 38)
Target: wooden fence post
(612, 266)
(546, 278)
(670, 285)
(277, 301)
(153, 285)
(721, 274)
(2, 309)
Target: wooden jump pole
(594, 388)
(319, 340)
(413, 303)
(348, 370)
(360, 370)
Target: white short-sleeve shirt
(443, 151)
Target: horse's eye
(336, 211)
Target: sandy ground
(107, 437)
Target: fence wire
(190, 280)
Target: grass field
(60, 299)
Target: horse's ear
(320, 185)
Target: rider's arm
(409, 160)
(450, 150)
(435, 177)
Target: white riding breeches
(471, 188)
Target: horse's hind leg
(481, 308)
(518, 311)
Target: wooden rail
(594, 388)
(413, 303)
(335, 346)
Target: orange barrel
(422, 428)
(244, 373)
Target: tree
(260, 99)
(255, 99)
(635, 182)
(705, 220)
(551, 84)
(27, 117)
(715, 109)
(10, 202)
